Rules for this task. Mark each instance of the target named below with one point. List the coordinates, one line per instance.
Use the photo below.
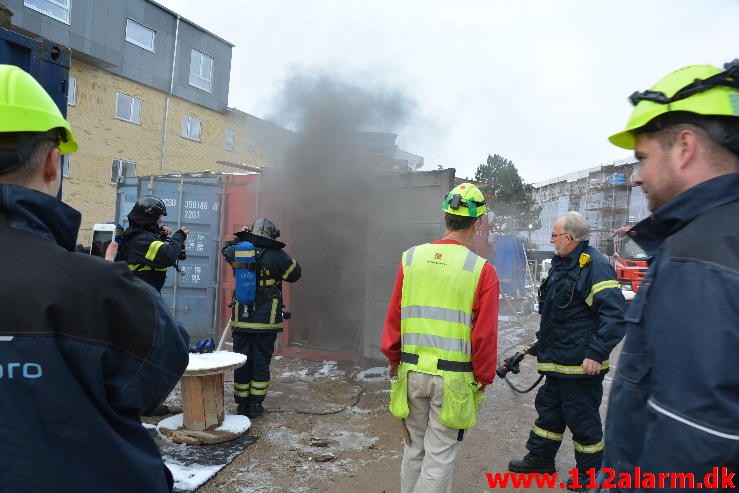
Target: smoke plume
(344, 138)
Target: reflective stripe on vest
(439, 285)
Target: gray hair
(576, 226)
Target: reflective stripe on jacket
(581, 307)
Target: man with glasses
(674, 404)
(581, 307)
(85, 348)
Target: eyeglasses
(555, 235)
(726, 78)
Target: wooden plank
(193, 413)
(213, 400)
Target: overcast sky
(540, 82)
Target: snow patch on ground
(376, 374)
(329, 371)
(189, 477)
(235, 423)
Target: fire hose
(511, 365)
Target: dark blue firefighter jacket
(674, 405)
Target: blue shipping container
(46, 61)
(194, 203)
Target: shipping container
(339, 305)
(350, 260)
(46, 61)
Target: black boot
(255, 410)
(532, 463)
(242, 408)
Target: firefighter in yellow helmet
(92, 346)
(674, 404)
(440, 339)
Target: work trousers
(574, 403)
(428, 461)
(251, 380)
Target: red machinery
(627, 258)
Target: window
(251, 144)
(201, 71)
(72, 91)
(128, 108)
(139, 35)
(191, 127)
(66, 162)
(230, 137)
(56, 9)
(122, 169)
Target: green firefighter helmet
(699, 89)
(26, 107)
(465, 200)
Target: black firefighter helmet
(151, 206)
(265, 228)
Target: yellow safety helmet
(26, 107)
(465, 200)
(699, 89)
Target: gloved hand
(204, 346)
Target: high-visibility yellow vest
(439, 285)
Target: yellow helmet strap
(11, 159)
(728, 78)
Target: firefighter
(255, 327)
(85, 348)
(440, 339)
(674, 404)
(148, 247)
(581, 308)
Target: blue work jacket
(85, 349)
(674, 404)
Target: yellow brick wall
(102, 137)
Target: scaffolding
(604, 195)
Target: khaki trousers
(428, 462)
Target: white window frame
(197, 77)
(38, 6)
(66, 164)
(188, 130)
(132, 23)
(133, 106)
(72, 91)
(230, 139)
(120, 168)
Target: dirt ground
(346, 406)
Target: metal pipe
(169, 96)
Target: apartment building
(148, 95)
